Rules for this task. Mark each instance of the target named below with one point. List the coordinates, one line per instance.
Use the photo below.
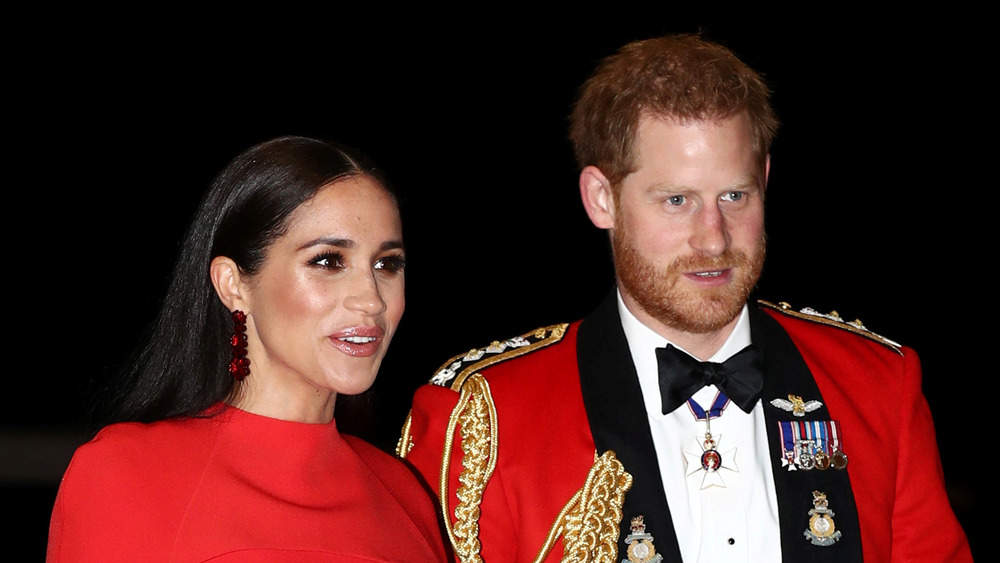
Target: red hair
(681, 77)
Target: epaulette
(832, 319)
(454, 372)
(589, 521)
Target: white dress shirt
(738, 522)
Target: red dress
(239, 487)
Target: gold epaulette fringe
(832, 319)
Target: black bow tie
(741, 377)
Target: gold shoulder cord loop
(589, 522)
(405, 442)
(476, 416)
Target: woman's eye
(390, 264)
(329, 260)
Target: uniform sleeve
(924, 527)
(422, 443)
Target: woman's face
(326, 302)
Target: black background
(876, 208)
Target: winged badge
(796, 405)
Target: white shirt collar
(643, 342)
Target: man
(803, 438)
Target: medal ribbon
(805, 434)
(820, 435)
(715, 411)
(788, 437)
(834, 436)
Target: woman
(288, 290)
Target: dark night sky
(871, 206)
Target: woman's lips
(358, 340)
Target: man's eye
(675, 200)
(733, 196)
(390, 264)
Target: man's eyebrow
(751, 181)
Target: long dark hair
(181, 367)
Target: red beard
(661, 294)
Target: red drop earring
(239, 366)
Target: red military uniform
(548, 449)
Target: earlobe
(595, 191)
(226, 279)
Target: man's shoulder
(807, 321)
(535, 348)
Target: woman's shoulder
(376, 459)
(395, 474)
(402, 482)
(127, 484)
(141, 451)
(133, 465)
(140, 440)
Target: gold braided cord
(405, 443)
(589, 522)
(832, 319)
(476, 415)
(556, 332)
(557, 527)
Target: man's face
(688, 232)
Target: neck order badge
(709, 460)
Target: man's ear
(595, 191)
(228, 284)
(767, 169)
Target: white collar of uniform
(643, 342)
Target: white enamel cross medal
(709, 460)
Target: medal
(822, 460)
(806, 446)
(640, 544)
(788, 439)
(819, 435)
(822, 530)
(837, 458)
(805, 454)
(811, 444)
(709, 460)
